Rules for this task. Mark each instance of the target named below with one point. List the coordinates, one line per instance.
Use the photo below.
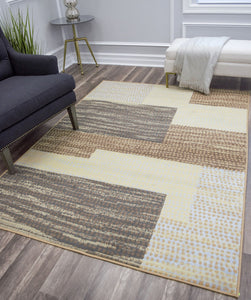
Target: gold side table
(75, 39)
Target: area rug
(153, 180)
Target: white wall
(128, 32)
(133, 32)
(128, 21)
(139, 31)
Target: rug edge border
(244, 204)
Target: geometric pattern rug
(155, 180)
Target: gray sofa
(31, 91)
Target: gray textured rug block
(141, 122)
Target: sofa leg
(8, 160)
(73, 116)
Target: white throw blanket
(195, 62)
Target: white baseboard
(117, 53)
(129, 59)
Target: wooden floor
(34, 270)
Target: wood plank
(61, 274)
(176, 290)
(42, 296)
(37, 274)
(202, 294)
(247, 229)
(19, 268)
(5, 238)
(133, 285)
(128, 74)
(81, 279)
(245, 288)
(155, 76)
(89, 71)
(104, 284)
(11, 251)
(138, 74)
(118, 73)
(128, 285)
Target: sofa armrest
(29, 64)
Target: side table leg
(78, 57)
(77, 49)
(77, 52)
(90, 49)
(65, 47)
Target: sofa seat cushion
(5, 65)
(23, 95)
(234, 51)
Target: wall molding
(129, 59)
(127, 53)
(124, 54)
(191, 7)
(128, 44)
(185, 25)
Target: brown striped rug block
(154, 180)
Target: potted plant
(19, 31)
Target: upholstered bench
(234, 60)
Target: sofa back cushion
(5, 65)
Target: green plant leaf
(19, 31)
